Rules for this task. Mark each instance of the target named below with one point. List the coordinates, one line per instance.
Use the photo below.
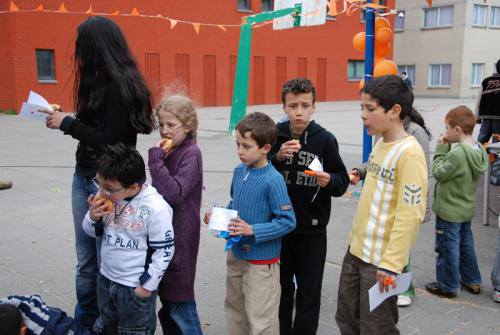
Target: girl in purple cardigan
(178, 176)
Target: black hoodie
(312, 213)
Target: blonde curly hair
(183, 109)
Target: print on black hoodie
(312, 215)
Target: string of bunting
(349, 7)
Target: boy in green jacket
(457, 170)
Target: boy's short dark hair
(10, 320)
(261, 127)
(497, 65)
(298, 86)
(388, 91)
(404, 72)
(123, 164)
(462, 117)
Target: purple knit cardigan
(178, 177)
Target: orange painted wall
(23, 32)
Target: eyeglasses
(169, 129)
(106, 192)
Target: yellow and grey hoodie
(392, 204)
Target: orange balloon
(361, 83)
(384, 68)
(383, 36)
(377, 60)
(381, 22)
(359, 41)
(382, 50)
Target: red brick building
(37, 45)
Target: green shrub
(8, 111)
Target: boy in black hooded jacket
(303, 252)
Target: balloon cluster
(383, 36)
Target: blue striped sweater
(261, 199)
(41, 319)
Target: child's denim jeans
(122, 312)
(87, 253)
(179, 318)
(456, 259)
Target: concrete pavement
(37, 240)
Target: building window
(479, 15)
(244, 5)
(362, 12)
(477, 74)
(410, 71)
(495, 17)
(440, 75)
(399, 21)
(438, 17)
(355, 69)
(45, 64)
(267, 5)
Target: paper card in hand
(220, 218)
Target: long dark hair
(416, 117)
(102, 56)
(391, 90)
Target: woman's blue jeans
(179, 318)
(456, 259)
(87, 253)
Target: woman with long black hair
(112, 105)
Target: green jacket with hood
(457, 170)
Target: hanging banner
(313, 12)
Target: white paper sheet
(220, 218)
(30, 111)
(37, 99)
(316, 165)
(376, 298)
(30, 108)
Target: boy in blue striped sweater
(29, 315)
(265, 214)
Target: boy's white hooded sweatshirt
(138, 239)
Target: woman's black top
(108, 123)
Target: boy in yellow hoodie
(389, 213)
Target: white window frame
(403, 19)
(440, 85)
(354, 62)
(481, 75)
(438, 24)
(494, 11)
(474, 15)
(404, 68)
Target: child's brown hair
(183, 109)
(261, 127)
(298, 86)
(462, 117)
(11, 320)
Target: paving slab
(37, 240)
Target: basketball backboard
(313, 13)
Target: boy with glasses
(137, 243)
